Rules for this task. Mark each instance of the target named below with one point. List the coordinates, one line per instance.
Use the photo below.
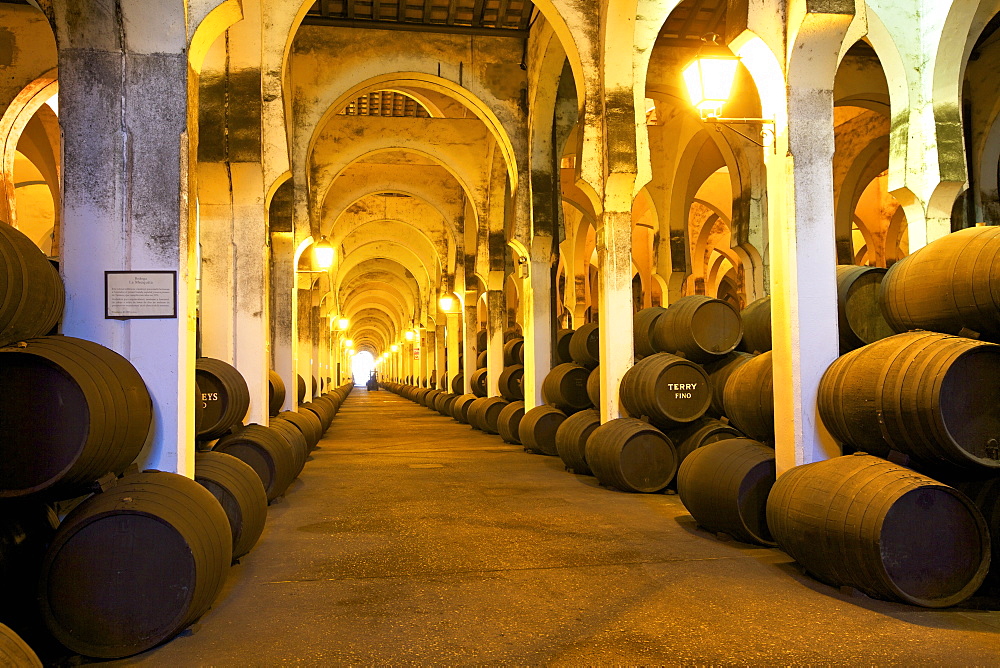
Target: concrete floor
(410, 539)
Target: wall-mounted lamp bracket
(767, 135)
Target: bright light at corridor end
(362, 366)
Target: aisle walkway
(410, 539)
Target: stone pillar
(124, 116)
(423, 347)
(614, 257)
(496, 322)
(537, 329)
(284, 306)
(454, 333)
(470, 333)
(440, 362)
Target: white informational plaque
(140, 294)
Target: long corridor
(410, 539)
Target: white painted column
(284, 305)
(470, 332)
(804, 280)
(124, 115)
(537, 330)
(496, 322)
(440, 362)
(614, 257)
(420, 350)
(454, 333)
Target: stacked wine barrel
(918, 409)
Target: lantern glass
(447, 303)
(408, 335)
(323, 253)
(394, 348)
(343, 323)
(709, 81)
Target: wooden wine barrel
(749, 398)
(571, 439)
(240, 493)
(702, 328)
(510, 382)
(449, 405)
(700, 433)
(225, 398)
(537, 429)
(430, 396)
(472, 413)
(439, 400)
(275, 393)
(306, 417)
(724, 485)
(301, 388)
(643, 326)
(561, 346)
(321, 411)
(314, 389)
(718, 373)
(480, 378)
(460, 409)
(485, 412)
(14, 652)
(931, 396)
(31, 292)
(565, 387)
(330, 402)
(512, 332)
(482, 339)
(985, 495)
(756, 318)
(509, 422)
(862, 522)
(458, 383)
(513, 351)
(133, 566)
(859, 313)
(267, 453)
(594, 386)
(482, 360)
(295, 440)
(70, 412)
(948, 285)
(632, 456)
(667, 389)
(522, 350)
(585, 346)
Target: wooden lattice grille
(385, 103)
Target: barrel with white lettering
(225, 398)
(667, 389)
